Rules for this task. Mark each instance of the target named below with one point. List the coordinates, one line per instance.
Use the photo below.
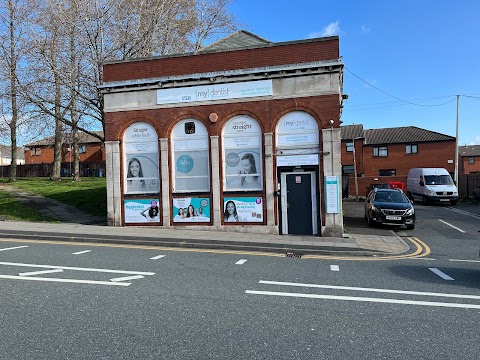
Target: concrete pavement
(75, 225)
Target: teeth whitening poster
(141, 211)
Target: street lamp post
(355, 170)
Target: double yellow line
(421, 250)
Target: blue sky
(405, 61)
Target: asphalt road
(64, 301)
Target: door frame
(283, 199)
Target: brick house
(242, 123)
(41, 151)
(386, 155)
(469, 159)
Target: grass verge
(89, 194)
(13, 210)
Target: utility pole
(456, 142)
(355, 170)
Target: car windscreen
(392, 197)
(438, 180)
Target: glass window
(141, 170)
(349, 146)
(380, 151)
(242, 155)
(387, 172)
(191, 172)
(412, 149)
(471, 160)
(36, 151)
(347, 169)
(82, 149)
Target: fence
(466, 184)
(87, 169)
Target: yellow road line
(421, 250)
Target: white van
(431, 184)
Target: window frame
(176, 175)
(387, 172)
(377, 151)
(471, 160)
(349, 145)
(409, 149)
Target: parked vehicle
(431, 185)
(389, 207)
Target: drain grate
(293, 255)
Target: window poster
(141, 160)
(242, 152)
(243, 210)
(141, 211)
(191, 210)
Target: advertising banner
(191, 210)
(332, 195)
(243, 210)
(240, 90)
(141, 211)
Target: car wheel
(369, 222)
(453, 202)
(476, 199)
(424, 200)
(410, 227)
(409, 195)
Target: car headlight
(375, 209)
(410, 211)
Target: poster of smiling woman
(141, 211)
(141, 160)
(243, 210)
(191, 210)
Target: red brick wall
(347, 157)
(431, 154)
(94, 153)
(314, 50)
(470, 168)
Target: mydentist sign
(215, 92)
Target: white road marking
(422, 258)
(441, 274)
(241, 262)
(464, 212)
(456, 228)
(78, 268)
(157, 257)
(40, 272)
(387, 291)
(365, 299)
(127, 278)
(63, 280)
(472, 261)
(334, 268)
(12, 248)
(81, 252)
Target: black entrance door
(299, 204)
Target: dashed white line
(456, 228)
(13, 248)
(334, 268)
(40, 272)
(241, 262)
(157, 257)
(472, 261)
(441, 274)
(127, 278)
(421, 258)
(81, 252)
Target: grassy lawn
(89, 194)
(13, 210)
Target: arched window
(191, 172)
(141, 175)
(242, 155)
(297, 139)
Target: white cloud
(365, 29)
(329, 30)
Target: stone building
(241, 136)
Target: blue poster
(244, 209)
(191, 210)
(141, 211)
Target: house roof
(350, 132)
(407, 134)
(6, 152)
(469, 150)
(83, 138)
(238, 40)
